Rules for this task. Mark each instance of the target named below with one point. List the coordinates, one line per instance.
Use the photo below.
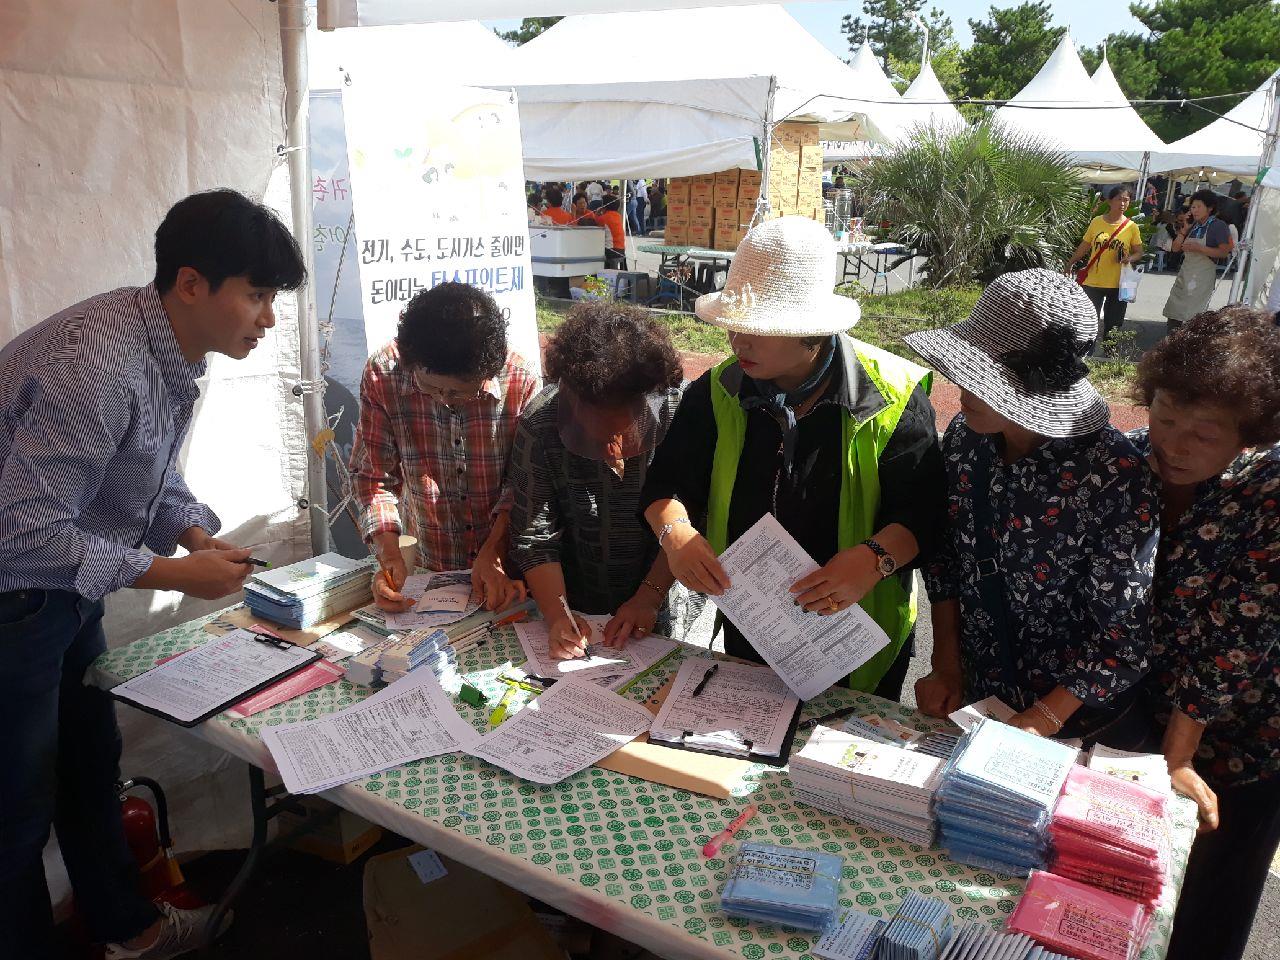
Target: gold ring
(832, 605)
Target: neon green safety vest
(888, 603)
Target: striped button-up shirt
(94, 404)
(429, 468)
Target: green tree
(977, 202)
(1203, 48)
(1009, 47)
(529, 28)
(894, 37)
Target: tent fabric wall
(1225, 146)
(372, 13)
(111, 112)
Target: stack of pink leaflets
(1111, 833)
(1079, 920)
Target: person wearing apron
(1203, 242)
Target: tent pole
(293, 53)
(1143, 176)
(762, 205)
(1264, 163)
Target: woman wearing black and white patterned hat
(1040, 586)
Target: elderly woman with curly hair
(579, 459)
(1213, 388)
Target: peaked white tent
(375, 13)
(461, 53)
(1063, 106)
(593, 104)
(1224, 146)
(928, 104)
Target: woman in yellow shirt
(1106, 248)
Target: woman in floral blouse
(1214, 392)
(1040, 585)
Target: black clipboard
(311, 657)
(784, 754)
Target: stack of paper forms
(920, 930)
(880, 785)
(996, 796)
(1112, 834)
(305, 593)
(1079, 920)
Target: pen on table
(521, 684)
(835, 715)
(712, 846)
(706, 678)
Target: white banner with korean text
(437, 188)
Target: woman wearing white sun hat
(1041, 583)
(834, 437)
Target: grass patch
(687, 332)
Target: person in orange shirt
(555, 211)
(581, 212)
(609, 217)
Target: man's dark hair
(1208, 198)
(579, 196)
(612, 203)
(554, 195)
(1241, 348)
(221, 234)
(610, 353)
(454, 329)
(1240, 195)
(1117, 190)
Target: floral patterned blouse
(1216, 622)
(1076, 534)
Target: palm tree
(977, 201)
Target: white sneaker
(180, 933)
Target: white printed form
(741, 703)
(599, 661)
(408, 720)
(809, 651)
(565, 730)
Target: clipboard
(141, 698)
(784, 754)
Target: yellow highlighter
(500, 711)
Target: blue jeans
(61, 767)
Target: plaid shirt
(451, 458)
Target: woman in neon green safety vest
(834, 437)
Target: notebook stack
(920, 930)
(1079, 920)
(310, 591)
(420, 648)
(1112, 834)
(977, 941)
(996, 796)
(880, 785)
(783, 885)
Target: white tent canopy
(927, 104)
(594, 105)
(1063, 106)
(461, 54)
(374, 13)
(1224, 146)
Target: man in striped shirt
(438, 412)
(94, 404)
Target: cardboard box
(727, 178)
(342, 840)
(702, 191)
(809, 134)
(726, 195)
(727, 218)
(787, 133)
(699, 235)
(709, 179)
(462, 914)
(748, 179)
(678, 189)
(811, 157)
(676, 234)
(747, 195)
(702, 212)
(678, 211)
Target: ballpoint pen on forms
(834, 715)
(706, 678)
(712, 846)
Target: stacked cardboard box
(677, 230)
(748, 189)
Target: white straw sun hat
(780, 284)
(1022, 353)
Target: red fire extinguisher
(147, 832)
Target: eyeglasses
(445, 394)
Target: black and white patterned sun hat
(1022, 353)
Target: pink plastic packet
(1079, 920)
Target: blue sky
(1089, 20)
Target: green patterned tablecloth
(622, 853)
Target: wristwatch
(884, 562)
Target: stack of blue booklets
(920, 930)
(993, 807)
(783, 885)
(422, 648)
(977, 941)
(305, 593)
